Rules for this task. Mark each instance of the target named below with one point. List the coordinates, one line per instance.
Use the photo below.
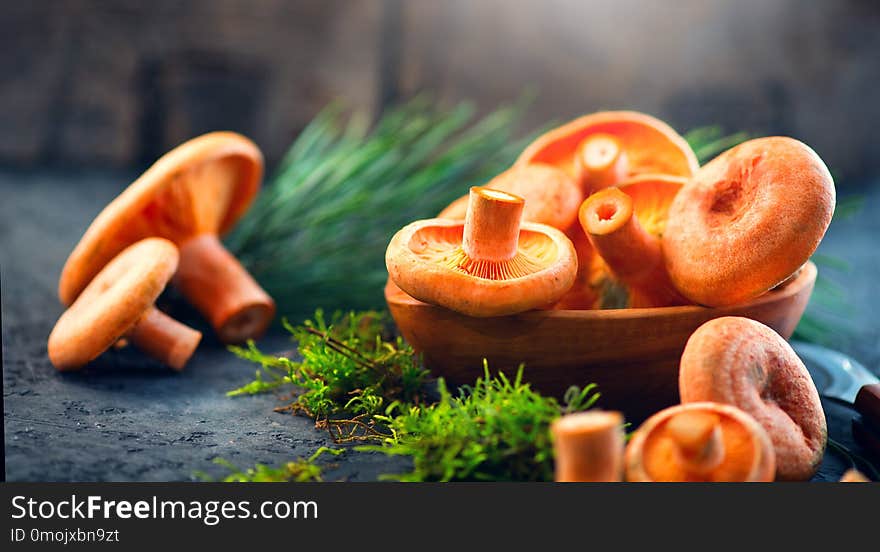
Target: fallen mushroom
(118, 303)
(551, 196)
(748, 220)
(604, 148)
(190, 196)
(702, 441)
(491, 264)
(744, 363)
(625, 225)
(589, 446)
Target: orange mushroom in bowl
(490, 264)
(118, 303)
(702, 441)
(605, 148)
(190, 196)
(747, 221)
(625, 225)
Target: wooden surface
(125, 418)
(117, 83)
(611, 348)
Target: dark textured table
(125, 418)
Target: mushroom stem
(589, 446)
(164, 338)
(602, 162)
(697, 436)
(491, 226)
(220, 288)
(633, 255)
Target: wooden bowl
(631, 354)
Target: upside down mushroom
(702, 441)
(490, 264)
(625, 225)
(589, 446)
(190, 196)
(603, 149)
(748, 220)
(117, 303)
(744, 363)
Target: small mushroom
(744, 363)
(747, 221)
(491, 264)
(118, 303)
(853, 475)
(589, 446)
(604, 148)
(190, 196)
(700, 442)
(624, 225)
(551, 196)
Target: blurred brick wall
(116, 83)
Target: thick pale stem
(589, 446)
(697, 436)
(221, 289)
(491, 226)
(602, 162)
(165, 339)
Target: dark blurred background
(113, 84)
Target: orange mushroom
(551, 196)
(625, 226)
(190, 196)
(589, 446)
(604, 148)
(748, 220)
(491, 264)
(742, 362)
(117, 303)
(702, 441)
(853, 475)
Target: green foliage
(496, 430)
(348, 367)
(299, 470)
(709, 141)
(316, 235)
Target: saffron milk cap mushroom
(117, 303)
(747, 221)
(602, 149)
(490, 264)
(589, 446)
(191, 196)
(702, 441)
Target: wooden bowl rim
(807, 277)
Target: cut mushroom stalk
(118, 303)
(697, 436)
(220, 287)
(589, 447)
(602, 162)
(165, 339)
(634, 255)
(491, 227)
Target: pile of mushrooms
(648, 225)
(165, 227)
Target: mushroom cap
(747, 220)
(744, 363)
(654, 452)
(113, 302)
(651, 146)
(202, 186)
(425, 259)
(551, 196)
